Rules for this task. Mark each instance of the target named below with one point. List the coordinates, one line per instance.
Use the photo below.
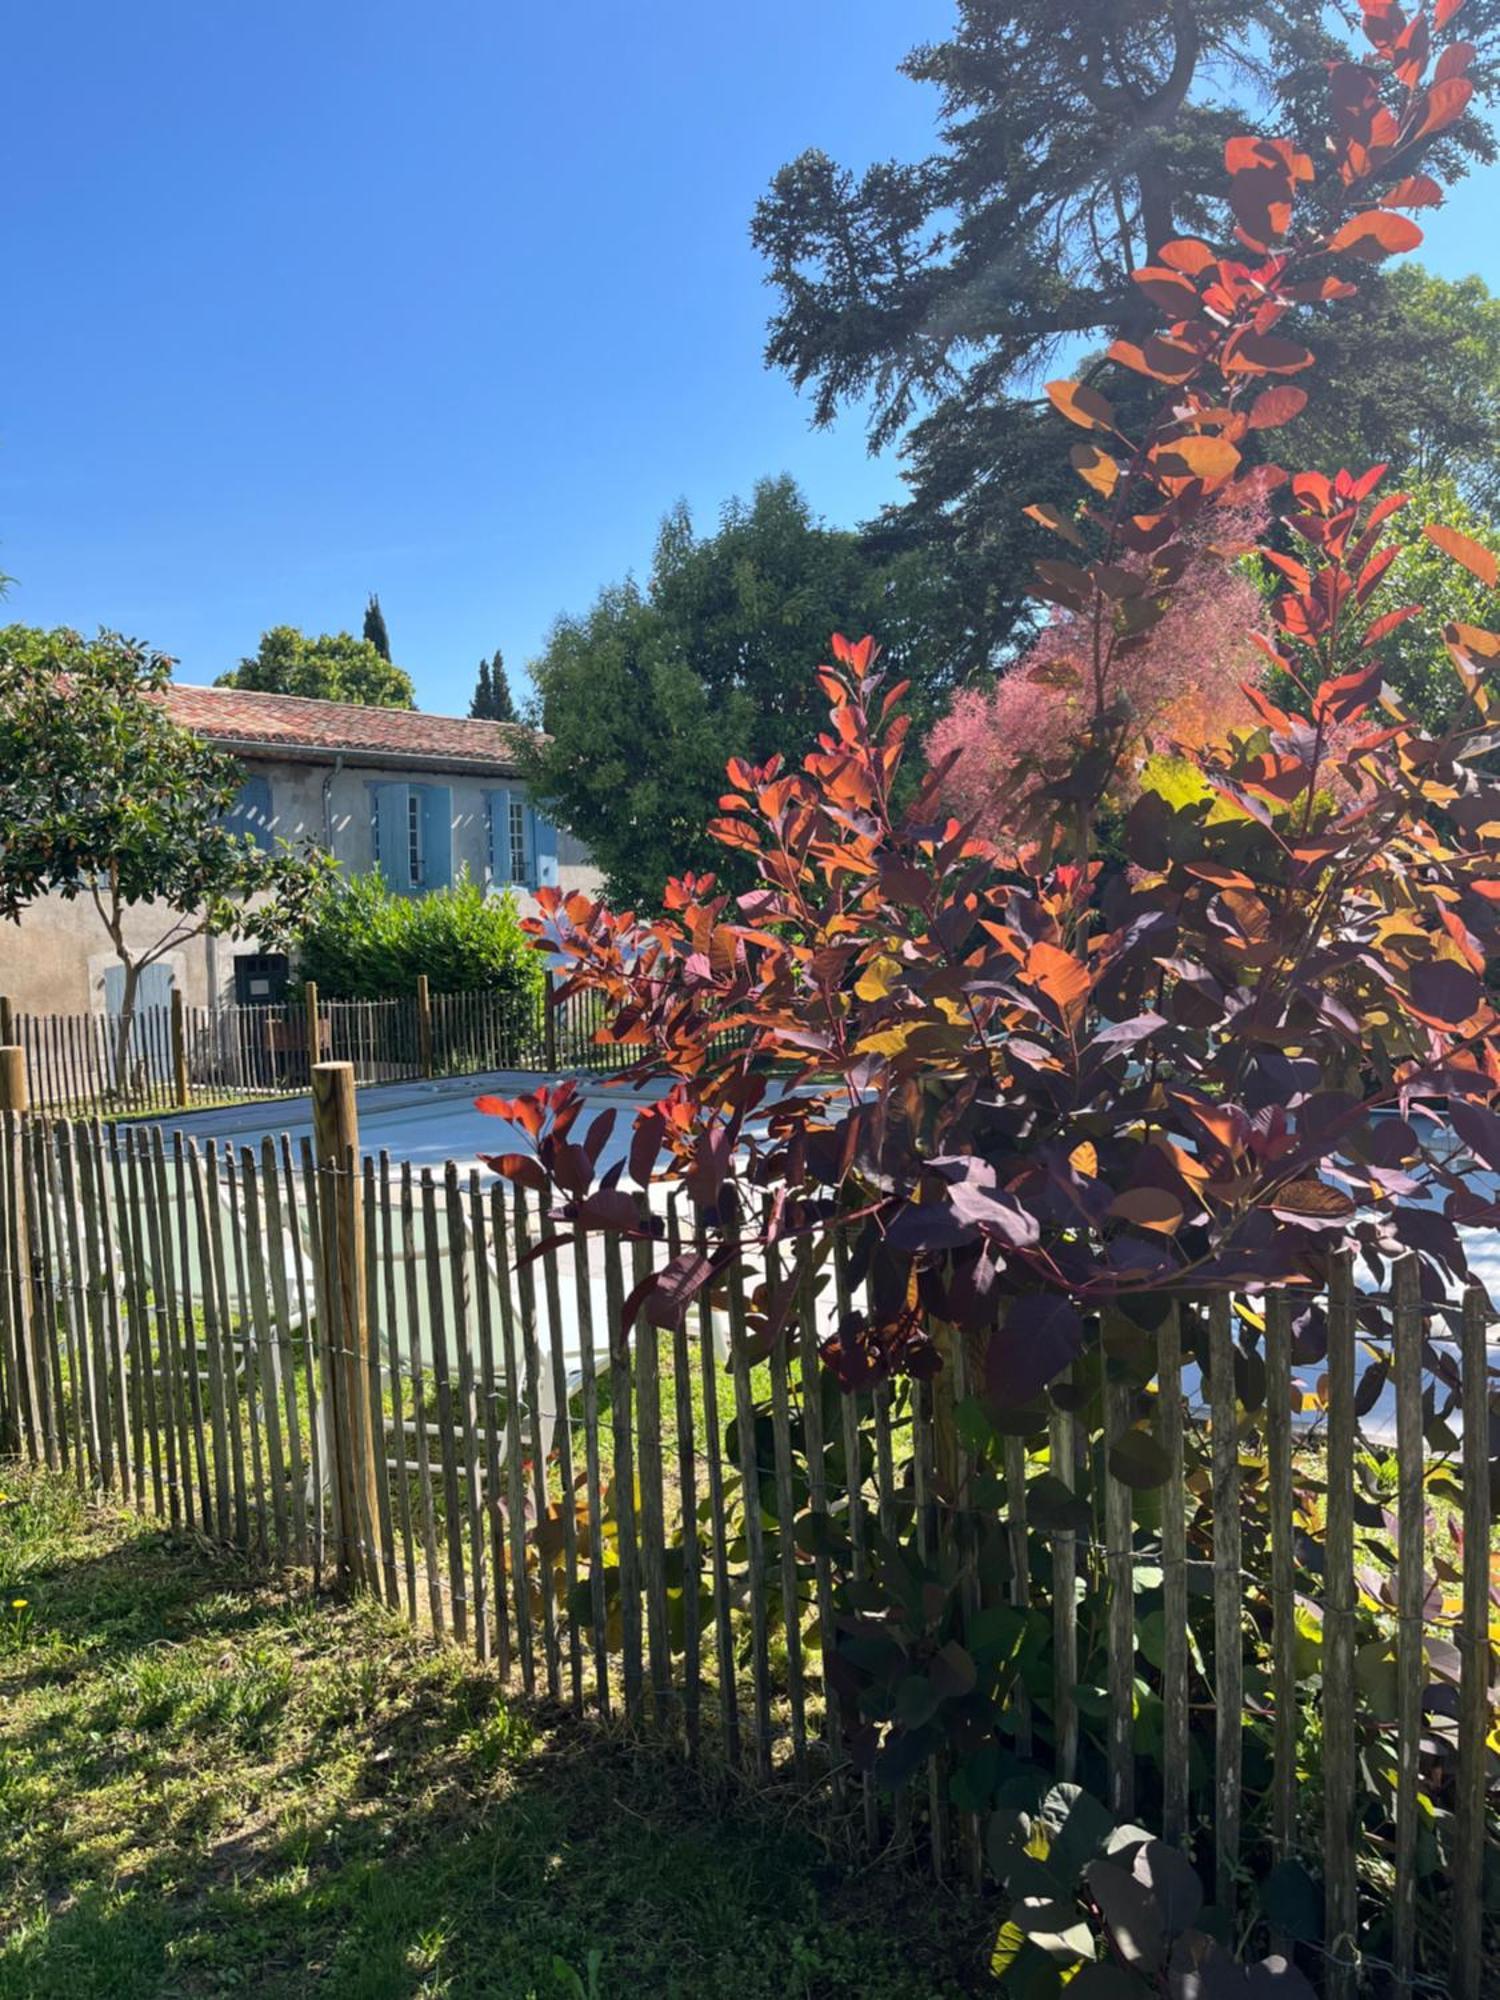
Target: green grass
(208, 1786)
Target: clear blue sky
(451, 301)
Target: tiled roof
(294, 725)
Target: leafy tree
(492, 700)
(644, 696)
(361, 941)
(102, 795)
(334, 667)
(1076, 137)
(374, 628)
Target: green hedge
(364, 942)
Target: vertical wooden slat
(594, 1486)
(923, 1444)
(64, 1202)
(185, 1239)
(1229, 1692)
(1020, 1570)
(164, 1311)
(244, 1365)
(388, 1258)
(515, 1480)
(45, 1315)
(313, 1341)
(419, 1403)
(1340, 1694)
(755, 1548)
(555, 1332)
(622, 1482)
(119, 1399)
(489, 1421)
(128, 1305)
(718, 1526)
(1410, 1592)
(375, 1296)
(213, 1349)
(283, 1353)
(448, 1447)
(467, 1429)
(1176, 1663)
(851, 1404)
(147, 1357)
(687, 1492)
(267, 1363)
(1475, 1659)
(545, 1569)
(815, 1448)
(1062, 1461)
(652, 1516)
(1119, 1558)
(82, 1161)
(224, 1337)
(781, 1446)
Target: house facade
(421, 797)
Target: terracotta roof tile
(293, 724)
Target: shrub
(364, 942)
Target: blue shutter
(251, 811)
(392, 852)
(437, 836)
(543, 851)
(499, 803)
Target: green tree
(361, 941)
(103, 796)
(333, 667)
(1075, 138)
(645, 696)
(492, 700)
(374, 628)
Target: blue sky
(449, 302)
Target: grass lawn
(208, 1786)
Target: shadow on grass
(215, 1789)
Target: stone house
(420, 796)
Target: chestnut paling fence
(179, 1056)
(1269, 1641)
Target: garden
(977, 1471)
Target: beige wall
(54, 961)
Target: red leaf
(1273, 407)
(1446, 104)
(1186, 253)
(1444, 11)
(518, 1167)
(1416, 191)
(1350, 695)
(1266, 354)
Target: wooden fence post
(21, 1416)
(8, 1035)
(179, 1050)
(314, 1035)
(355, 1467)
(549, 1020)
(424, 1025)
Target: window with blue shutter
(544, 851)
(390, 807)
(436, 836)
(251, 811)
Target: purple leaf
(1041, 1333)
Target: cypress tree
(492, 697)
(375, 630)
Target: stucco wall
(54, 961)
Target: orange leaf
(1417, 191)
(1147, 1208)
(1082, 406)
(1060, 978)
(1375, 234)
(1095, 468)
(1167, 288)
(1477, 559)
(1186, 253)
(1211, 459)
(1474, 640)
(1445, 10)
(1266, 354)
(1055, 519)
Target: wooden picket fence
(180, 1056)
(353, 1369)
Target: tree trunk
(125, 1024)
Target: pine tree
(375, 630)
(492, 697)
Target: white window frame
(519, 828)
(416, 857)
